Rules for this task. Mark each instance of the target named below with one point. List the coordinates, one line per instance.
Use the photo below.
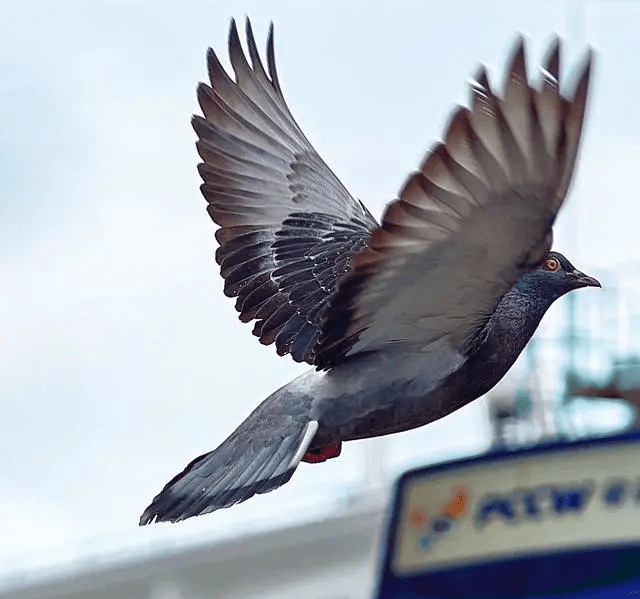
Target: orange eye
(551, 264)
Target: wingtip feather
(517, 64)
(551, 60)
(271, 60)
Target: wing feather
(474, 218)
(288, 228)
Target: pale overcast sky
(120, 359)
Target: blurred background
(120, 358)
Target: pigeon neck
(504, 337)
(517, 316)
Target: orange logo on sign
(452, 509)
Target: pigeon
(405, 321)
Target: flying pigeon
(405, 321)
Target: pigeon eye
(551, 264)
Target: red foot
(324, 453)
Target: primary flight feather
(406, 321)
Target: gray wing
(288, 227)
(469, 223)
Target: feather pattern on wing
(288, 227)
(474, 218)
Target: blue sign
(560, 519)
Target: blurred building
(330, 559)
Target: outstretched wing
(469, 223)
(288, 227)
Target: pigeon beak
(582, 280)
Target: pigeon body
(404, 322)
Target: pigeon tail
(259, 456)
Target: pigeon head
(554, 277)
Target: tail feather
(259, 456)
(286, 460)
(221, 494)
